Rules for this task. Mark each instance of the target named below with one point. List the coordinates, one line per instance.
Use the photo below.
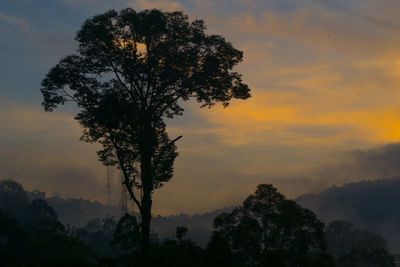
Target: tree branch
(126, 182)
(156, 161)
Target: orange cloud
(324, 81)
(164, 5)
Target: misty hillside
(346, 243)
(371, 205)
(78, 212)
(368, 204)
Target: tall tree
(131, 71)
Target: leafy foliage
(132, 70)
(181, 232)
(127, 233)
(40, 244)
(12, 197)
(267, 226)
(98, 233)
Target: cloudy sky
(325, 106)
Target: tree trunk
(145, 229)
(147, 151)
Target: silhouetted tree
(219, 252)
(355, 247)
(270, 230)
(42, 217)
(182, 252)
(181, 232)
(98, 233)
(12, 240)
(12, 197)
(40, 242)
(131, 71)
(39, 210)
(126, 234)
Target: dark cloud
(376, 163)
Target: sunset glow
(325, 81)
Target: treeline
(266, 230)
(78, 212)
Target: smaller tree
(39, 210)
(127, 233)
(267, 226)
(98, 233)
(219, 252)
(182, 252)
(40, 216)
(12, 240)
(181, 232)
(12, 197)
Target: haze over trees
(371, 205)
(266, 230)
(79, 212)
(130, 72)
(351, 246)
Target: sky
(325, 105)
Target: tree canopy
(155, 58)
(12, 197)
(132, 70)
(269, 229)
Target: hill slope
(373, 205)
(78, 212)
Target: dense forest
(266, 230)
